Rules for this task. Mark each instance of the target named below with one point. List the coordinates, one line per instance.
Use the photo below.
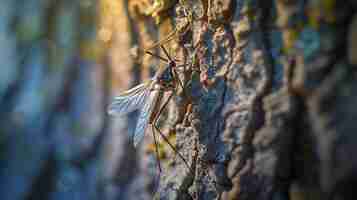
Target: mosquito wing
(129, 100)
(144, 117)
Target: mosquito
(148, 98)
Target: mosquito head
(172, 64)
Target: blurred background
(61, 63)
(272, 108)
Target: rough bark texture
(268, 110)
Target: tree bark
(267, 110)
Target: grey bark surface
(268, 111)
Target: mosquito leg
(166, 53)
(157, 56)
(164, 137)
(172, 147)
(180, 83)
(174, 58)
(168, 38)
(156, 149)
(162, 108)
(157, 158)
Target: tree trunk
(267, 110)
